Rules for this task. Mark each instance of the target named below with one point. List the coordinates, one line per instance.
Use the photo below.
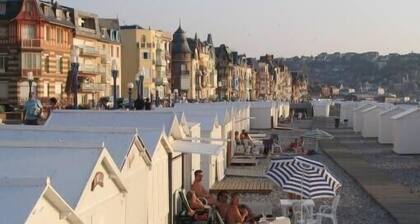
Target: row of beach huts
(99, 167)
(390, 124)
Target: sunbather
(197, 208)
(199, 189)
(222, 204)
(235, 215)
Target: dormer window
(58, 14)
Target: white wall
(370, 126)
(158, 194)
(385, 128)
(45, 212)
(358, 118)
(134, 174)
(406, 135)
(262, 118)
(321, 108)
(103, 205)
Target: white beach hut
(262, 113)
(385, 128)
(321, 108)
(405, 132)
(124, 145)
(83, 176)
(346, 112)
(143, 120)
(211, 164)
(358, 117)
(33, 201)
(370, 125)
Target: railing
(92, 87)
(89, 51)
(94, 69)
(31, 43)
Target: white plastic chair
(328, 212)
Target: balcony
(92, 87)
(31, 43)
(90, 69)
(89, 51)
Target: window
(48, 33)
(145, 55)
(58, 89)
(47, 63)
(97, 180)
(46, 86)
(59, 64)
(28, 31)
(31, 60)
(3, 63)
(3, 8)
(60, 36)
(4, 90)
(4, 32)
(112, 51)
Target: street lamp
(114, 72)
(30, 81)
(130, 87)
(74, 70)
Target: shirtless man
(235, 215)
(199, 189)
(222, 204)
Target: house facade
(151, 51)
(34, 37)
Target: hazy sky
(281, 27)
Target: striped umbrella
(302, 176)
(317, 135)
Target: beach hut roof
(196, 148)
(207, 122)
(18, 197)
(134, 119)
(68, 167)
(117, 140)
(406, 113)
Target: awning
(196, 148)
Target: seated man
(234, 214)
(199, 189)
(197, 208)
(222, 204)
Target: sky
(285, 28)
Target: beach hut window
(97, 180)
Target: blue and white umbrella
(304, 177)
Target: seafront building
(148, 53)
(35, 37)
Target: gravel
(355, 206)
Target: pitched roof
(19, 196)
(17, 200)
(68, 167)
(99, 119)
(117, 140)
(406, 113)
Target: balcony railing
(92, 87)
(89, 51)
(31, 43)
(90, 69)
